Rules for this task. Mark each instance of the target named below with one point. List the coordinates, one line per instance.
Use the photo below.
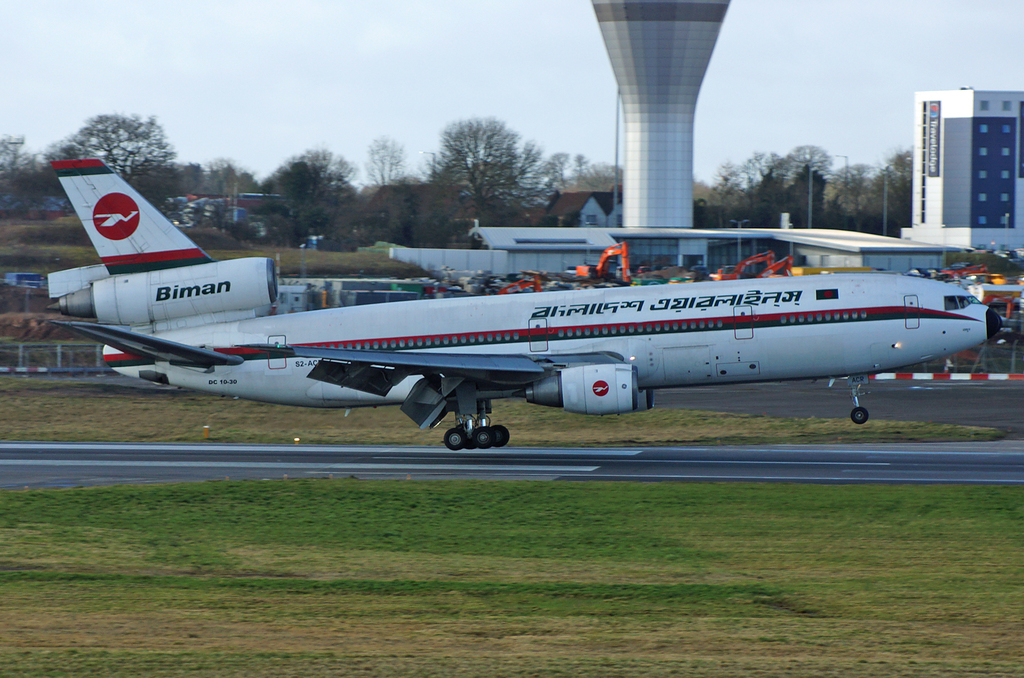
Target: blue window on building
(983, 128)
(992, 173)
(983, 106)
(1006, 129)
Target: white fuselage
(676, 335)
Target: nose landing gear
(858, 415)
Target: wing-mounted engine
(219, 290)
(611, 388)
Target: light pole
(433, 161)
(738, 225)
(885, 200)
(846, 185)
(1007, 217)
(810, 196)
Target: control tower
(659, 52)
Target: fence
(56, 358)
(1001, 356)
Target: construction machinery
(532, 282)
(744, 269)
(602, 272)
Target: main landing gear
(473, 429)
(859, 414)
(479, 434)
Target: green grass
(319, 577)
(75, 411)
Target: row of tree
(483, 172)
(807, 186)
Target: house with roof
(586, 209)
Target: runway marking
(297, 465)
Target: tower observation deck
(659, 52)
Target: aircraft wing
(150, 347)
(377, 372)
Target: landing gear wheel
(501, 435)
(455, 439)
(859, 415)
(483, 437)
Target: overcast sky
(258, 81)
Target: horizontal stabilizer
(150, 347)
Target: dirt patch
(34, 327)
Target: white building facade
(659, 51)
(968, 169)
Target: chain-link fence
(1002, 355)
(70, 358)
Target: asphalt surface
(33, 465)
(996, 404)
(991, 403)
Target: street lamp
(846, 185)
(885, 200)
(738, 225)
(1007, 217)
(810, 196)
(433, 160)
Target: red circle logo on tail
(115, 216)
(600, 388)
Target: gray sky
(258, 81)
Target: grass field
(468, 578)
(72, 410)
(345, 577)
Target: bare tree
(556, 171)
(128, 144)
(501, 173)
(135, 148)
(386, 163)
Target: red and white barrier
(945, 376)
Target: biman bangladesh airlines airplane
(168, 313)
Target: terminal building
(968, 169)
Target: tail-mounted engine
(222, 289)
(592, 389)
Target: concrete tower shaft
(659, 53)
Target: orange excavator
(773, 269)
(523, 284)
(601, 272)
(963, 271)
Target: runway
(49, 465)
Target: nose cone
(994, 322)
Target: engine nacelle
(593, 389)
(141, 298)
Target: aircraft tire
(859, 415)
(455, 439)
(501, 436)
(483, 437)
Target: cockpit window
(954, 303)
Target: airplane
(168, 313)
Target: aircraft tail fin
(130, 235)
